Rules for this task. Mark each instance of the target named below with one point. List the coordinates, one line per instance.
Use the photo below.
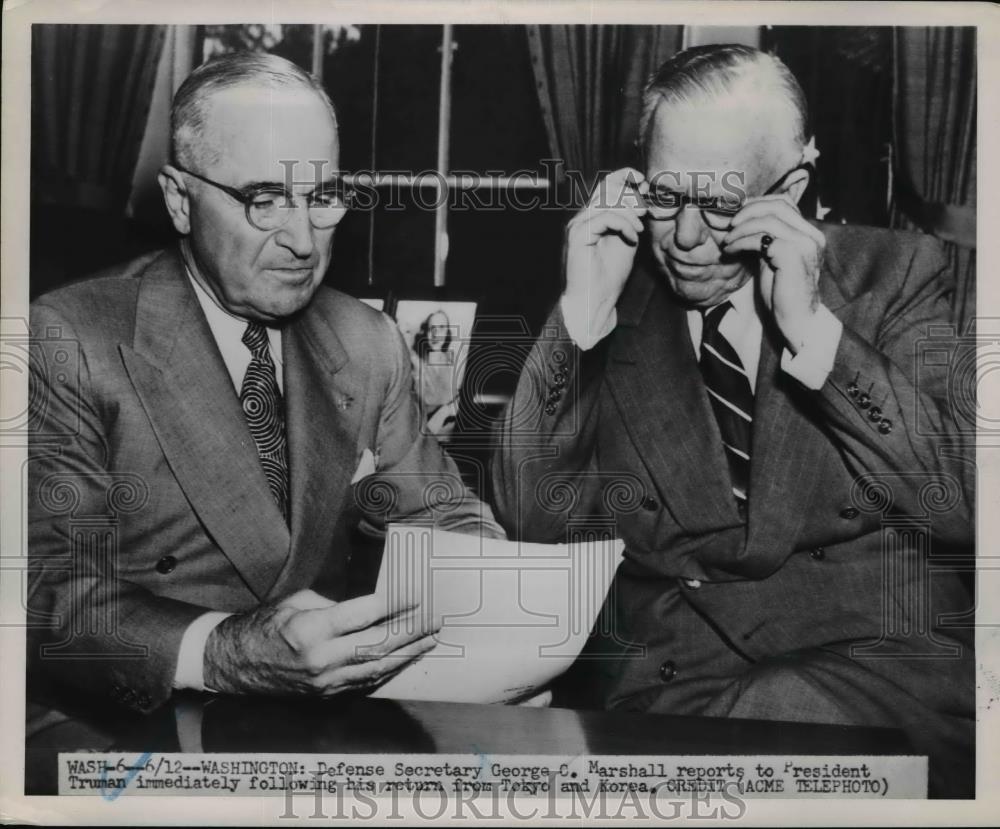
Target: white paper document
(514, 615)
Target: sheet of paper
(514, 615)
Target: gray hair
(187, 114)
(715, 70)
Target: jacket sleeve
(899, 406)
(87, 626)
(545, 457)
(415, 480)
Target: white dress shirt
(227, 330)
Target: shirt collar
(229, 328)
(743, 301)
(224, 325)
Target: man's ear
(796, 184)
(175, 196)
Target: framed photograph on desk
(438, 335)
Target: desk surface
(363, 725)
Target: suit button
(885, 426)
(874, 414)
(852, 389)
(166, 565)
(818, 554)
(650, 504)
(850, 513)
(560, 379)
(864, 400)
(668, 670)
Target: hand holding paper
(514, 615)
(306, 643)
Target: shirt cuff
(814, 362)
(581, 325)
(190, 673)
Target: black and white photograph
(438, 335)
(478, 413)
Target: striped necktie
(262, 407)
(732, 398)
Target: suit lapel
(657, 384)
(787, 449)
(658, 387)
(179, 375)
(323, 409)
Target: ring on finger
(765, 243)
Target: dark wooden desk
(363, 725)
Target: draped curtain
(91, 89)
(934, 188)
(589, 81)
(178, 58)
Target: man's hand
(306, 644)
(601, 241)
(789, 272)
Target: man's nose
(296, 233)
(690, 231)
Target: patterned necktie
(262, 407)
(732, 398)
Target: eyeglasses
(268, 207)
(717, 211)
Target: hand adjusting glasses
(717, 211)
(268, 206)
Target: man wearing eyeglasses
(749, 379)
(230, 422)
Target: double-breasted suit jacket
(148, 504)
(834, 597)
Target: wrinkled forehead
(691, 143)
(264, 133)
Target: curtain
(91, 88)
(177, 59)
(589, 81)
(934, 186)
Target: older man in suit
(735, 390)
(222, 423)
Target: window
(385, 83)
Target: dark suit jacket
(846, 503)
(148, 504)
